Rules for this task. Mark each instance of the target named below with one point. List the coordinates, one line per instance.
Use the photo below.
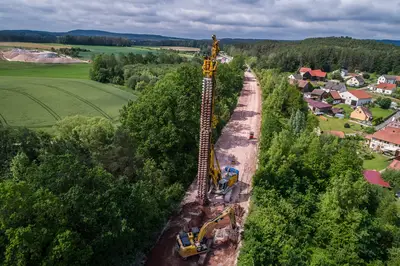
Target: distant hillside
(117, 35)
(395, 42)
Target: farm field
(22, 69)
(41, 102)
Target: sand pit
(233, 143)
(36, 56)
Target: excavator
(194, 242)
(209, 171)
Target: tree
(298, 122)
(329, 100)
(384, 103)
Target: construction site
(208, 228)
(36, 56)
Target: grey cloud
(273, 19)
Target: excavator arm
(229, 211)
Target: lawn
(40, 102)
(379, 112)
(347, 109)
(380, 162)
(23, 69)
(338, 124)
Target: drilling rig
(208, 166)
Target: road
(232, 142)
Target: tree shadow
(236, 141)
(242, 115)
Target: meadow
(38, 102)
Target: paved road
(391, 119)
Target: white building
(387, 139)
(355, 97)
(344, 72)
(385, 88)
(356, 81)
(388, 79)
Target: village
(358, 105)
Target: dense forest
(96, 194)
(327, 54)
(311, 204)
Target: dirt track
(233, 142)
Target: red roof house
(304, 70)
(386, 86)
(318, 73)
(388, 134)
(360, 94)
(395, 165)
(374, 177)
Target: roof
(318, 92)
(339, 134)
(386, 86)
(297, 76)
(395, 165)
(369, 136)
(305, 69)
(302, 83)
(398, 78)
(337, 110)
(389, 134)
(360, 94)
(390, 77)
(335, 95)
(337, 86)
(316, 104)
(359, 78)
(374, 177)
(365, 110)
(353, 74)
(317, 73)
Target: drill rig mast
(208, 165)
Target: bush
(346, 125)
(366, 76)
(369, 130)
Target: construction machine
(209, 171)
(194, 242)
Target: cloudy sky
(262, 19)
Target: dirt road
(234, 141)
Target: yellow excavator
(194, 242)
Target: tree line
(97, 194)
(327, 54)
(311, 204)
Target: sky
(198, 19)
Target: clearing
(233, 142)
(41, 102)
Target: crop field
(40, 102)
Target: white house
(387, 139)
(388, 79)
(385, 88)
(355, 97)
(356, 81)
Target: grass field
(379, 112)
(40, 102)
(22, 69)
(378, 163)
(112, 50)
(338, 124)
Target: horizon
(244, 19)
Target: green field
(380, 162)
(112, 50)
(22, 69)
(379, 112)
(40, 102)
(338, 124)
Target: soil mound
(35, 56)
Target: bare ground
(233, 142)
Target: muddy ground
(234, 142)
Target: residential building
(344, 72)
(315, 75)
(296, 77)
(385, 88)
(389, 79)
(361, 113)
(374, 178)
(356, 97)
(387, 139)
(305, 86)
(395, 164)
(336, 97)
(356, 81)
(318, 94)
(304, 70)
(335, 86)
(318, 107)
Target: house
(361, 113)
(315, 75)
(318, 94)
(305, 86)
(374, 177)
(387, 139)
(385, 88)
(356, 97)
(395, 164)
(318, 107)
(336, 97)
(356, 81)
(389, 79)
(335, 86)
(343, 72)
(296, 77)
(304, 70)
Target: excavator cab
(231, 177)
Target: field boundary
(46, 107)
(98, 88)
(98, 109)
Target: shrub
(346, 125)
